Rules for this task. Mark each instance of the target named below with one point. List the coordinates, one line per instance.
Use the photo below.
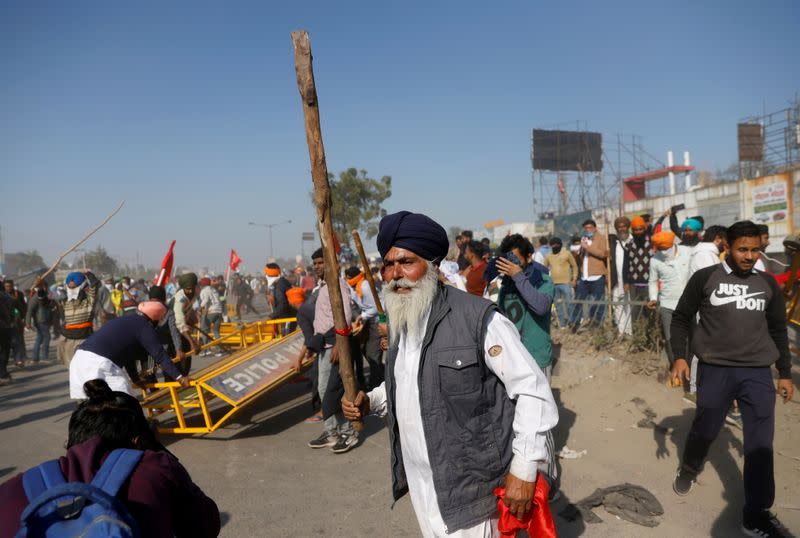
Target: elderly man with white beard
(466, 405)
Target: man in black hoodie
(741, 333)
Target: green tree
(101, 262)
(357, 200)
(19, 263)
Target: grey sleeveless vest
(467, 416)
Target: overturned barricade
(218, 391)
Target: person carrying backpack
(118, 481)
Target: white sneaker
(345, 443)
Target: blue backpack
(62, 509)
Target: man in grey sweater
(741, 333)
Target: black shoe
(345, 442)
(684, 481)
(764, 525)
(324, 440)
(574, 328)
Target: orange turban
(638, 222)
(272, 271)
(663, 240)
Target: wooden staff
(322, 201)
(79, 243)
(608, 270)
(367, 272)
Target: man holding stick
(77, 313)
(323, 202)
(467, 407)
(338, 433)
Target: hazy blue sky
(190, 111)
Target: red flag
(235, 260)
(538, 520)
(166, 267)
(337, 247)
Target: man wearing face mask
(564, 272)
(105, 305)
(116, 347)
(40, 318)
(636, 266)
(77, 312)
(670, 266)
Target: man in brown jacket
(592, 283)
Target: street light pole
(270, 227)
(83, 253)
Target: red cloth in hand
(538, 521)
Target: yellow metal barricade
(263, 362)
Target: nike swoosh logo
(719, 301)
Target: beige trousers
(66, 349)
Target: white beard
(407, 312)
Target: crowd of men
(705, 282)
(452, 346)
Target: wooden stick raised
(79, 243)
(322, 201)
(367, 272)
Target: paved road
(267, 482)
(259, 470)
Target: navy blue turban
(415, 232)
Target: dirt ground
(633, 428)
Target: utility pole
(270, 227)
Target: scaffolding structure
(780, 142)
(557, 193)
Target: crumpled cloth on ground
(629, 502)
(538, 521)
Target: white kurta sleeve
(536, 412)
(377, 400)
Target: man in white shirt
(705, 254)
(467, 407)
(669, 266)
(210, 312)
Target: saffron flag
(235, 260)
(166, 267)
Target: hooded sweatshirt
(704, 255)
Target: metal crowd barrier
(262, 363)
